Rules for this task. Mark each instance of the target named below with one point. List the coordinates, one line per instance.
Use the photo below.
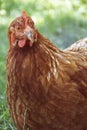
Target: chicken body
(47, 87)
(79, 46)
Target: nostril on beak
(28, 34)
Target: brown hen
(46, 87)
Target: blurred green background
(62, 21)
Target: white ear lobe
(12, 29)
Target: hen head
(22, 31)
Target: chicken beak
(29, 33)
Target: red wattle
(31, 44)
(21, 43)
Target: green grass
(63, 23)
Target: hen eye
(18, 28)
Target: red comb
(24, 15)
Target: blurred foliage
(62, 21)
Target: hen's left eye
(18, 28)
